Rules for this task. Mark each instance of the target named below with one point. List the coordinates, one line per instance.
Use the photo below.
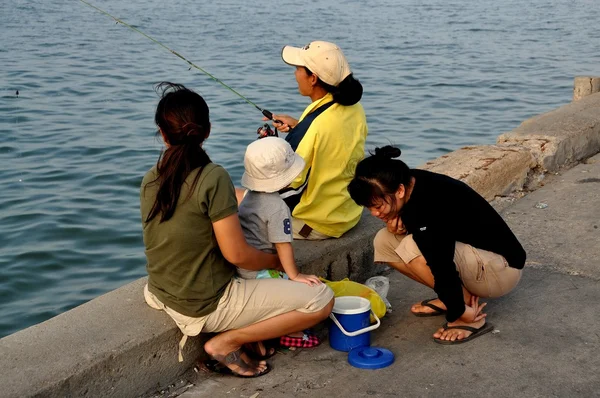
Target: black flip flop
(427, 303)
(475, 332)
(219, 363)
(253, 350)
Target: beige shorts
(483, 273)
(248, 301)
(313, 235)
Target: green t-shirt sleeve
(217, 194)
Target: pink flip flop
(308, 340)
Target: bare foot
(423, 309)
(226, 351)
(457, 334)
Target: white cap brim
(275, 184)
(293, 56)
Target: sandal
(475, 332)
(427, 303)
(219, 364)
(308, 340)
(260, 350)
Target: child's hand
(310, 280)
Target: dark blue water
(76, 142)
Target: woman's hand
(473, 312)
(284, 122)
(396, 226)
(310, 280)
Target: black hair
(183, 118)
(348, 92)
(378, 177)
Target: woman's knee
(329, 307)
(324, 300)
(381, 242)
(316, 300)
(324, 312)
(329, 298)
(385, 246)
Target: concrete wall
(561, 137)
(584, 86)
(116, 346)
(112, 346)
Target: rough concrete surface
(545, 341)
(491, 170)
(542, 348)
(564, 228)
(562, 136)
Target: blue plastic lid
(370, 357)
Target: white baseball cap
(270, 165)
(324, 59)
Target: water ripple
(77, 141)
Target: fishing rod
(266, 113)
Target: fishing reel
(266, 131)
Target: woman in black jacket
(442, 234)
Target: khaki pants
(246, 302)
(249, 301)
(483, 273)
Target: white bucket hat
(324, 59)
(271, 164)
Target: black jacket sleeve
(437, 248)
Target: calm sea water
(75, 143)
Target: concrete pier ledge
(562, 137)
(584, 86)
(116, 346)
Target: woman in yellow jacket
(330, 136)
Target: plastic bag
(271, 274)
(346, 287)
(381, 284)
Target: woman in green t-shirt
(194, 240)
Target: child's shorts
(262, 274)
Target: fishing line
(265, 112)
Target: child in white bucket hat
(270, 164)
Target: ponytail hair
(378, 177)
(347, 93)
(182, 117)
